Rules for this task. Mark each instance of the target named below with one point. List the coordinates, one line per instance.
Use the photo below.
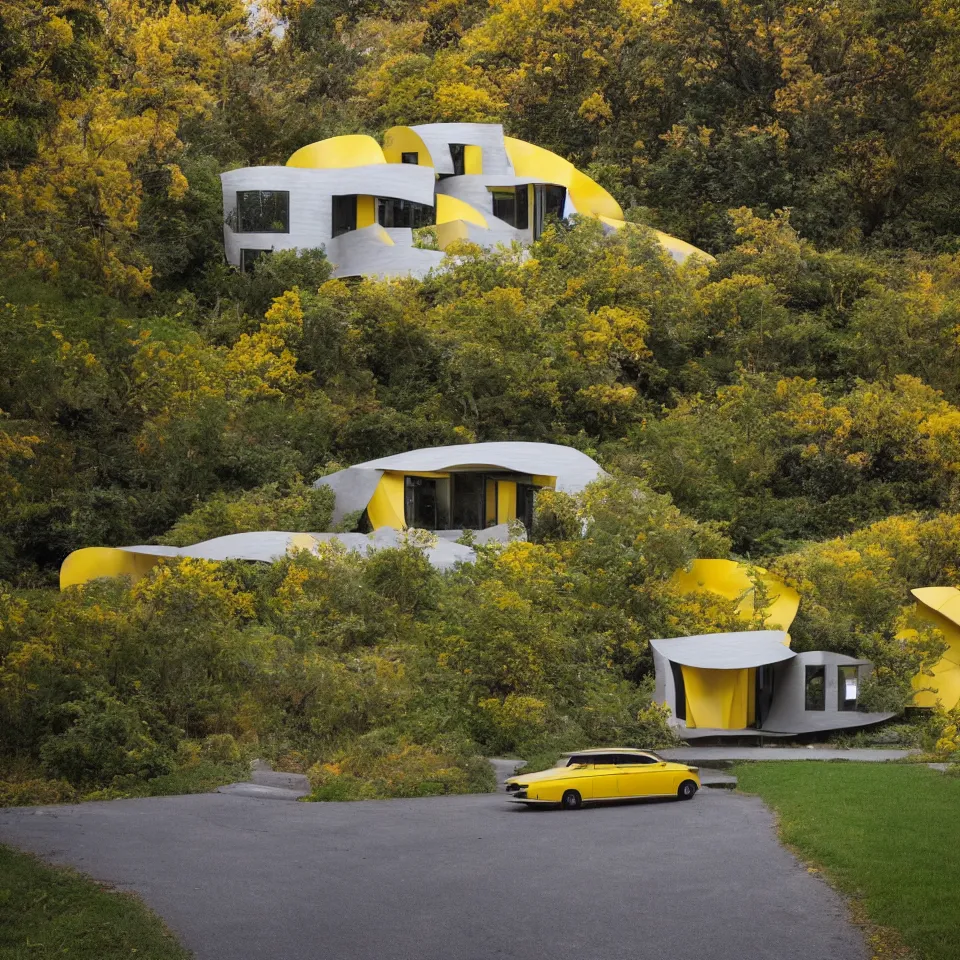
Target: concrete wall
(311, 215)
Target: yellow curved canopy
(731, 580)
(452, 208)
(353, 150)
(400, 140)
(941, 607)
(587, 195)
(91, 563)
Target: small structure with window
(447, 490)
(728, 684)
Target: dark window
(344, 214)
(402, 213)
(548, 201)
(522, 221)
(458, 154)
(814, 689)
(602, 759)
(526, 494)
(420, 502)
(469, 501)
(626, 759)
(249, 257)
(263, 211)
(847, 688)
(409, 158)
(680, 711)
(573, 761)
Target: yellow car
(617, 773)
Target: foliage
(48, 907)
(901, 816)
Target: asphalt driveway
(453, 878)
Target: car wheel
(572, 800)
(687, 790)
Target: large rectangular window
(815, 694)
(511, 205)
(344, 214)
(847, 688)
(392, 212)
(420, 502)
(263, 211)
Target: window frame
(242, 227)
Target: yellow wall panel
(453, 208)
(541, 480)
(400, 140)
(506, 501)
(940, 606)
(366, 211)
(385, 508)
(716, 699)
(88, 564)
(472, 159)
(354, 150)
(491, 501)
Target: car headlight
(513, 787)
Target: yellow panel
(366, 211)
(506, 501)
(587, 195)
(541, 480)
(751, 696)
(673, 245)
(729, 579)
(88, 564)
(491, 501)
(452, 208)
(385, 508)
(355, 150)
(941, 607)
(448, 232)
(716, 699)
(472, 159)
(400, 140)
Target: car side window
(632, 759)
(604, 759)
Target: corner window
(847, 688)
(263, 211)
(458, 155)
(249, 257)
(402, 213)
(410, 158)
(815, 689)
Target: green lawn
(47, 912)
(887, 834)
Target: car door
(639, 775)
(604, 776)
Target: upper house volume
(361, 202)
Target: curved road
(453, 878)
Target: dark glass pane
(409, 158)
(469, 503)
(505, 205)
(249, 257)
(344, 214)
(392, 212)
(420, 502)
(556, 198)
(525, 504)
(457, 153)
(522, 221)
(263, 211)
(815, 689)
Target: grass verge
(885, 835)
(54, 912)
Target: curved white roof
(726, 651)
(574, 470)
(268, 546)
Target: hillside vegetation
(795, 403)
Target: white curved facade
(360, 202)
